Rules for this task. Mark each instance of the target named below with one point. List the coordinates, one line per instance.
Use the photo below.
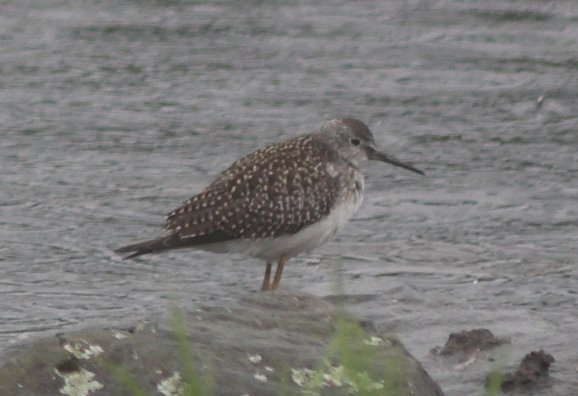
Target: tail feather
(150, 246)
(173, 241)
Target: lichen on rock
(78, 383)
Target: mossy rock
(263, 344)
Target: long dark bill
(379, 156)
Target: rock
(468, 342)
(263, 344)
(533, 371)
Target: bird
(280, 201)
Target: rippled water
(112, 113)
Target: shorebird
(279, 201)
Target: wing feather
(277, 190)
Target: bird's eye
(355, 142)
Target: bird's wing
(277, 190)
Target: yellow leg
(278, 273)
(266, 278)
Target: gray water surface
(114, 112)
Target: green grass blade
(194, 384)
(126, 380)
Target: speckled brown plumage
(274, 191)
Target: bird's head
(354, 142)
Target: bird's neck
(352, 163)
